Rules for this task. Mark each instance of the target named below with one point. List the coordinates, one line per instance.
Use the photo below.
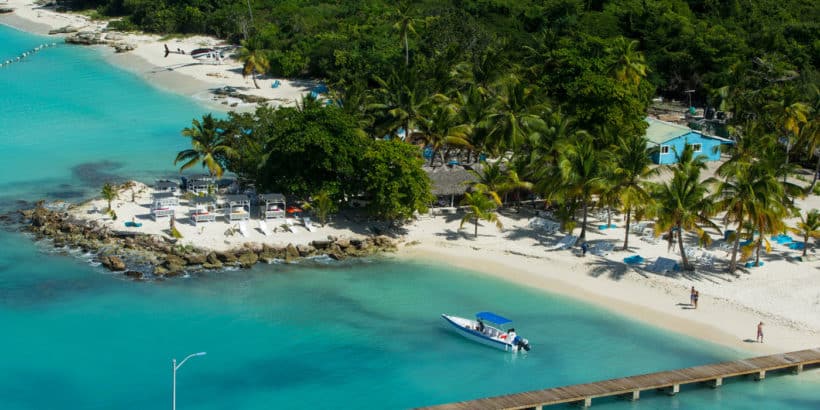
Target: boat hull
(466, 328)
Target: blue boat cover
(492, 317)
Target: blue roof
(492, 317)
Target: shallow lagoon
(363, 334)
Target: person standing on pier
(759, 332)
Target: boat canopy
(492, 317)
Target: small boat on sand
(485, 331)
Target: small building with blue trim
(667, 138)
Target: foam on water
(358, 335)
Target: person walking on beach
(584, 249)
(692, 296)
(759, 338)
(695, 297)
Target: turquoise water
(358, 335)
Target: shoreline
(724, 315)
(218, 87)
(657, 307)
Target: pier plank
(623, 385)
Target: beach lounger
(602, 248)
(633, 260)
(663, 265)
(291, 225)
(564, 243)
(263, 226)
(243, 228)
(308, 224)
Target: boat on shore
(485, 329)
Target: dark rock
(343, 242)
(305, 250)
(248, 259)
(113, 263)
(5, 10)
(133, 274)
(291, 252)
(195, 258)
(226, 257)
(319, 244)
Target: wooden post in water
(760, 375)
(717, 383)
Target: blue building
(670, 138)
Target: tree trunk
(733, 262)
(805, 245)
(253, 76)
(406, 51)
(816, 171)
(476, 228)
(608, 217)
(757, 254)
(683, 257)
(626, 236)
(433, 157)
(786, 168)
(583, 234)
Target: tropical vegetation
(552, 94)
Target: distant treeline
(688, 44)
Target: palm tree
(109, 193)
(629, 65)
(683, 203)
(790, 116)
(579, 175)
(632, 167)
(808, 227)
(439, 129)
(254, 57)
(745, 187)
(402, 98)
(480, 206)
(495, 181)
(208, 144)
(404, 25)
(516, 113)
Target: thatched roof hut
(449, 181)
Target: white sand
(783, 294)
(177, 72)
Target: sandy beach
(175, 72)
(783, 293)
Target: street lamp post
(174, 368)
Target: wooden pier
(631, 387)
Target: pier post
(717, 383)
(675, 389)
(760, 375)
(798, 369)
(587, 402)
(636, 395)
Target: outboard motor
(521, 343)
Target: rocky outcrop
(65, 30)
(139, 255)
(88, 38)
(232, 92)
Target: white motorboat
(485, 329)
